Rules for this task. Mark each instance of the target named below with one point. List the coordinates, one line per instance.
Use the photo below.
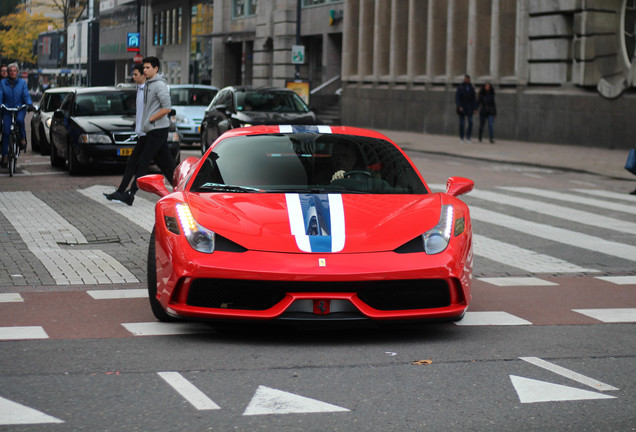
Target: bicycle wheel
(13, 154)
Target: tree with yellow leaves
(16, 42)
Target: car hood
(274, 118)
(105, 123)
(351, 223)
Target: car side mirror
(457, 186)
(154, 184)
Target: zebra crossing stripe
(617, 315)
(619, 280)
(496, 318)
(517, 281)
(576, 199)
(67, 267)
(556, 211)
(517, 257)
(608, 194)
(555, 234)
(141, 214)
(22, 332)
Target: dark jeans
(491, 128)
(131, 164)
(462, 117)
(155, 147)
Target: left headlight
(181, 119)
(200, 238)
(95, 139)
(436, 239)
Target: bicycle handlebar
(3, 106)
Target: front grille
(125, 138)
(261, 295)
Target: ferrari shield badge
(321, 307)
(322, 262)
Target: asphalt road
(549, 343)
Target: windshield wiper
(220, 187)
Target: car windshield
(105, 104)
(307, 163)
(192, 96)
(269, 101)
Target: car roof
(82, 90)
(201, 86)
(60, 89)
(252, 88)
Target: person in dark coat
(487, 110)
(466, 103)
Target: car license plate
(125, 151)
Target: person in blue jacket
(13, 93)
(466, 103)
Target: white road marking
(577, 199)
(608, 194)
(617, 315)
(19, 333)
(67, 267)
(559, 370)
(189, 392)
(517, 281)
(271, 401)
(557, 211)
(10, 298)
(141, 213)
(13, 413)
(619, 280)
(517, 257)
(491, 319)
(532, 391)
(555, 234)
(118, 294)
(164, 329)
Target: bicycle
(14, 138)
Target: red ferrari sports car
(307, 223)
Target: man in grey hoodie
(155, 124)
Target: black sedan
(235, 107)
(96, 125)
(41, 120)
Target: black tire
(74, 165)
(156, 307)
(35, 142)
(56, 161)
(45, 143)
(12, 154)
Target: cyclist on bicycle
(13, 93)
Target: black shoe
(492, 140)
(633, 192)
(122, 197)
(5, 162)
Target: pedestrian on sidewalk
(155, 124)
(120, 194)
(487, 110)
(465, 102)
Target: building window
(244, 8)
(307, 3)
(167, 27)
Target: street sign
(298, 54)
(133, 42)
(138, 58)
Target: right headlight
(437, 238)
(200, 238)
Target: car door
(60, 124)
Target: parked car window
(269, 101)
(106, 103)
(191, 96)
(52, 101)
(67, 103)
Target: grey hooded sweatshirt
(156, 97)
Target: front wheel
(155, 305)
(13, 154)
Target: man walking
(120, 194)
(155, 124)
(466, 102)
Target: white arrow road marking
(591, 382)
(531, 391)
(13, 413)
(189, 392)
(271, 401)
(164, 329)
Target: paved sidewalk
(596, 160)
